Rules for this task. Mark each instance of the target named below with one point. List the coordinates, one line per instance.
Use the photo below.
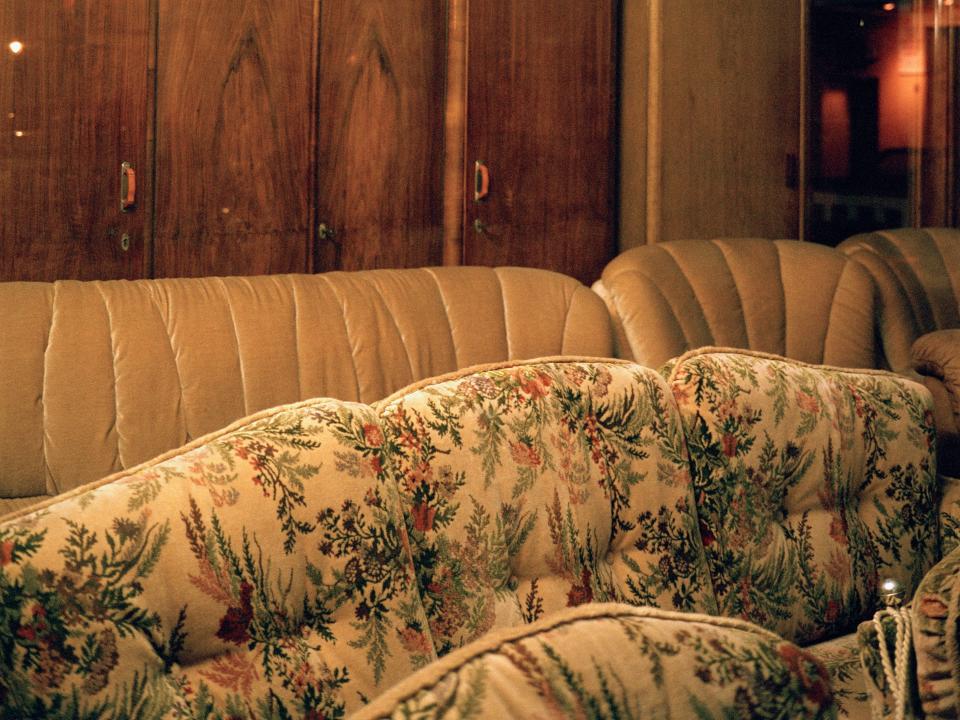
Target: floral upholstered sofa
(554, 538)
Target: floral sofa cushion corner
(262, 574)
(812, 485)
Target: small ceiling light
(16, 47)
(18, 133)
(889, 6)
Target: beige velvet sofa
(917, 276)
(795, 299)
(554, 538)
(100, 376)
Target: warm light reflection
(18, 133)
(16, 47)
(889, 6)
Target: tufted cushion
(100, 376)
(795, 299)
(811, 484)
(841, 658)
(262, 574)
(917, 274)
(533, 487)
(616, 661)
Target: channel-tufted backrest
(813, 484)
(100, 376)
(917, 274)
(799, 300)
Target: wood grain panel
(728, 104)
(235, 145)
(540, 108)
(380, 141)
(73, 107)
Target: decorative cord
(896, 672)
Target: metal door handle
(128, 187)
(481, 181)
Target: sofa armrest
(616, 660)
(936, 357)
(935, 624)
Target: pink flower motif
(523, 454)
(6, 552)
(423, 516)
(729, 441)
(807, 402)
(373, 435)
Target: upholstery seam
(181, 413)
(736, 289)
(396, 326)
(943, 264)
(566, 320)
(118, 463)
(346, 332)
(236, 340)
(687, 340)
(446, 311)
(506, 317)
(833, 305)
(49, 480)
(916, 305)
(296, 333)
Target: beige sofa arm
(935, 623)
(936, 357)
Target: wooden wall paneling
(73, 107)
(727, 101)
(637, 61)
(455, 133)
(234, 137)
(540, 114)
(381, 122)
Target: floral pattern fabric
(533, 488)
(261, 575)
(811, 484)
(667, 665)
(300, 563)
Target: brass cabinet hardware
(325, 232)
(128, 187)
(481, 181)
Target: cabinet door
(540, 116)
(234, 152)
(726, 102)
(380, 133)
(73, 107)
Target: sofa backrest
(100, 376)
(917, 274)
(531, 488)
(813, 484)
(795, 299)
(308, 557)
